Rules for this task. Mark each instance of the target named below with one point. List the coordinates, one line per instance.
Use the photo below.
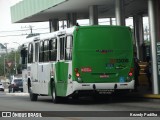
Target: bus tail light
(77, 72)
(131, 72)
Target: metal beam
(110, 20)
(119, 12)
(93, 15)
(138, 34)
(71, 19)
(154, 36)
(53, 25)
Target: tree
(9, 58)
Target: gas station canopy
(43, 10)
(71, 10)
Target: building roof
(43, 10)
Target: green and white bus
(79, 60)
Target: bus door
(61, 69)
(35, 66)
(24, 68)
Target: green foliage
(2, 65)
(10, 57)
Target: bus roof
(68, 31)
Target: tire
(55, 98)
(9, 90)
(21, 90)
(33, 96)
(75, 97)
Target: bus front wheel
(55, 98)
(33, 96)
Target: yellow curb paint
(151, 96)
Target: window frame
(60, 51)
(46, 50)
(36, 44)
(41, 49)
(30, 53)
(52, 49)
(71, 47)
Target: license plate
(104, 76)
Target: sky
(8, 28)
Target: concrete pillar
(53, 25)
(120, 12)
(154, 37)
(138, 34)
(110, 20)
(71, 19)
(93, 15)
(63, 24)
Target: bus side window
(46, 51)
(68, 48)
(36, 51)
(53, 50)
(41, 53)
(62, 48)
(30, 53)
(24, 58)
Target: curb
(17, 94)
(152, 96)
(148, 96)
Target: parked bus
(79, 60)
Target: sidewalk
(16, 93)
(143, 92)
